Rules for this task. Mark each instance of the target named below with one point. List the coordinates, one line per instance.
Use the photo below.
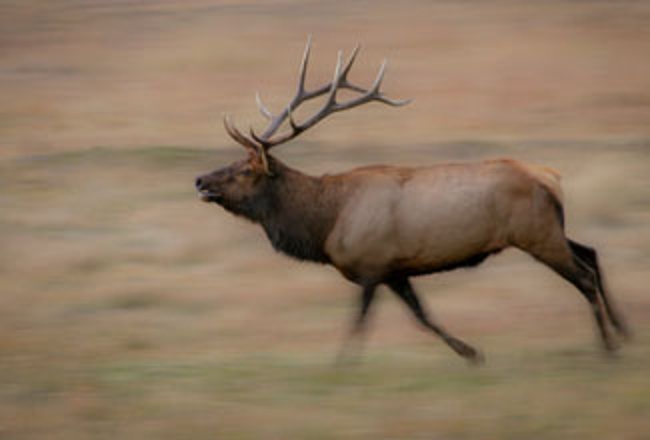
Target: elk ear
(259, 157)
(264, 159)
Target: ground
(129, 309)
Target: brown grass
(130, 310)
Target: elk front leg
(403, 288)
(359, 324)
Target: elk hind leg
(403, 288)
(589, 257)
(560, 259)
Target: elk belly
(442, 226)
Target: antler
(340, 81)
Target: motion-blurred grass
(128, 309)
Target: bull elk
(385, 224)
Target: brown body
(384, 224)
(410, 221)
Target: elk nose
(198, 183)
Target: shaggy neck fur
(299, 214)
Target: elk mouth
(208, 196)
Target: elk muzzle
(206, 191)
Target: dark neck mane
(301, 213)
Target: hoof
(477, 359)
(611, 347)
(624, 331)
(473, 356)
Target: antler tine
(336, 81)
(328, 107)
(380, 96)
(377, 85)
(393, 102)
(265, 111)
(234, 133)
(344, 84)
(374, 94)
(300, 96)
(348, 66)
(380, 77)
(303, 69)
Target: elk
(382, 225)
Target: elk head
(240, 187)
(243, 187)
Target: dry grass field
(130, 310)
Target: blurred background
(128, 309)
